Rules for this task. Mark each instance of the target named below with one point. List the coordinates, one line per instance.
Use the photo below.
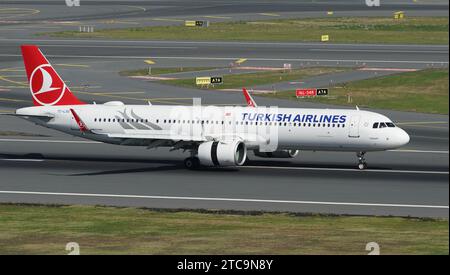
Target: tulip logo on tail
(46, 87)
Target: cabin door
(353, 130)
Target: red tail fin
(46, 86)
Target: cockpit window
(390, 124)
(383, 125)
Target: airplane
(214, 136)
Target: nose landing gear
(361, 160)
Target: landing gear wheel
(361, 160)
(192, 163)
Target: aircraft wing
(155, 135)
(43, 117)
(169, 136)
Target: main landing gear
(192, 163)
(361, 160)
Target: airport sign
(323, 91)
(305, 92)
(311, 92)
(196, 23)
(205, 80)
(216, 80)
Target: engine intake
(224, 153)
(277, 154)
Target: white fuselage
(263, 128)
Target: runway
(39, 165)
(410, 56)
(104, 174)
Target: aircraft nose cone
(403, 137)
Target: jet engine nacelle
(277, 154)
(222, 153)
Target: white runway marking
(39, 41)
(49, 141)
(24, 160)
(419, 151)
(234, 58)
(375, 51)
(226, 199)
(347, 170)
(126, 46)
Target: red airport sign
(305, 92)
(311, 92)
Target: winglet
(250, 101)
(80, 123)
